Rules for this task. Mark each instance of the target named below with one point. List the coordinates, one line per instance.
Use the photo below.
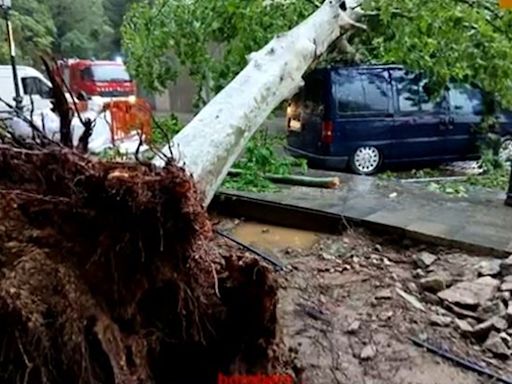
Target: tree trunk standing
(212, 141)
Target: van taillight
(327, 132)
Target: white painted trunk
(209, 145)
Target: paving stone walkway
(480, 220)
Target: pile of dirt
(350, 304)
(477, 301)
(108, 275)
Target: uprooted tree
(108, 273)
(211, 142)
(457, 40)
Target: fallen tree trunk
(306, 181)
(212, 141)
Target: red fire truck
(99, 80)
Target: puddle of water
(271, 237)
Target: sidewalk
(480, 221)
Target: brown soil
(107, 275)
(337, 282)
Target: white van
(35, 89)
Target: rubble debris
(493, 324)
(489, 267)
(496, 346)
(379, 322)
(383, 316)
(500, 323)
(410, 299)
(507, 284)
(411, 287)
(442, 321)
(463, 326)
(425, 259)
(504, 296)
(463, 362)
(354, 327)
(471, 293)
(506, 339)
(314, 313)
(506, 266)
(430, 298)
(461, 312)
(368, 352)
(434, 283)
(384, 294)
(491, 309)
(509, 311)
(419, 273)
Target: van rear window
(362, 92)
(312, 94)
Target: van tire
(366, 160)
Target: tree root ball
(110, 274)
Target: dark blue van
(364, 117)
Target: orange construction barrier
(82, 106)
(129, 117)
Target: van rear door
(306, 112)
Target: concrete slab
(479, 221)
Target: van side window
(465, 100)
(29, 86)
(411, 93)
(35, 86)
(362, 92)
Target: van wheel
(366, 160)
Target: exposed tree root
(108, 276)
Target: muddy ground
(341, 314)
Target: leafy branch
(259, 160)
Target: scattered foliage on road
(493, 175)
(261, 158)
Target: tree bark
(299, 180)
(212, 141)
